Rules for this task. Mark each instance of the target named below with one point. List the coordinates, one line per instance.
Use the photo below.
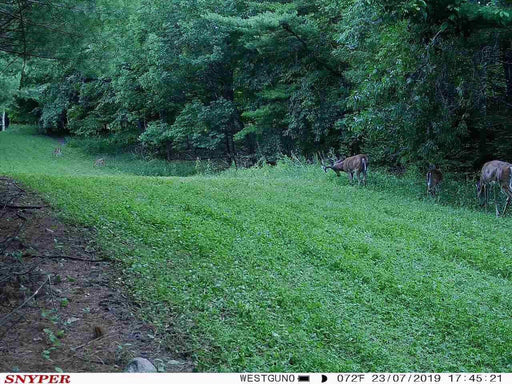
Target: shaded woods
(406, 81)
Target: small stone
(139, 364)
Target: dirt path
(58, 312)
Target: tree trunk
(506, 58)
(235, 123)
(141, 124)
(228, 149)
(233, 150)
(480, 69)
(168, 150)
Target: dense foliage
(407, 81)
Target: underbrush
(134, 159)
(30, 152)
(455, 190)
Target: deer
(356, 164)
(99, 163)
(434, 178)
(57, 152)
(495, 172)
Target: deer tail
(365, 164)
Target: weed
(54, 342)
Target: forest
(417, 82)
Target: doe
(495, 172)
(434, 178)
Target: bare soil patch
(62, 305)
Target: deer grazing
(495, 172)
(434, 178)
(99, 163)
(57, 152)
(357, 164)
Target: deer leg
(496, 202)
(486, 197)
(358, 175)
(506, 206)
(509, 196)
(350, 177)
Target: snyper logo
(37, 379)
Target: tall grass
(455, 190)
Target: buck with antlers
(434, 178)
(357, 164)
(495, 172)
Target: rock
(139, 364)
(175, 362)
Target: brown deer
(434, 178)
(495, 172)
(99, 163)
(356, 164)
(57, 152)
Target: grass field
(292, 269)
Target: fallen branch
(4, 319)
(17, 186)
(15, 206)
(3, 210)
(74, 258)
(89, 342)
